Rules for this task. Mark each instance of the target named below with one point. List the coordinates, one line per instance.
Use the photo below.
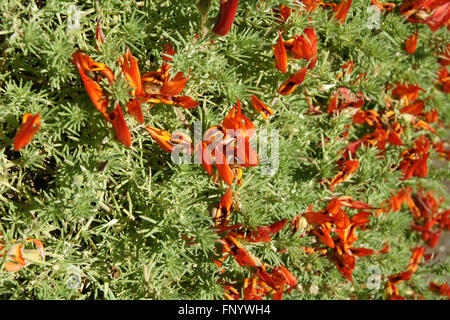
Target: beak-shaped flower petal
(443, 289)
(168, 141)
(174, 86)
(185, 102)
(422, 124)
(259, 106)
(304, 46)
(223, 167)
(411, 43)
(291, 84)
(414, 161)
(341, 10)
(280, 54)
(414, 109)
(131, 70)
(317, 217)
(235, 120)
(18, 257)
(408, 93)
(221, 215)
(161, 137)
(348, 168)
(440, 16)
(394, 138)
(242, 256)
(30, 125)
(226, 16)
(84, 63)
(99, 35)
(120, 126)
(204, 156)
(444, 79)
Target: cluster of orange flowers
(334, 229)
(391, 290)
(435, 14)
(153, 87)
(235, 241)
(427, 220)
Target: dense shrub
(355, 110)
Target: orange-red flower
(341, 10)
(242, 256)
(292, 82)
(343, 98)
(427, 219)
(226, 15)
(159, 87)
(99, 35)
(411, 43)
(282, 12)
(408, 93)
(311, 5)
(414, 160)
(222, 214)
(260, 234)
(243, 129)
(414, 108)
(280, 54)
(371, 117)
(348, 168)
(440, 149)
(264, 284)
(333, 227)
(444, 56)
(18, 257)
(391, 291)
(434, 13)
(261, 107)
(394, 134)
(168, 141)
(277, 280)
(444, 79)
(228, 146)
(117, 120)
(383, 6)
(440, 16)
(30, 125)
(131, 70)
(304, 46)
(442, 289)
(85, 64)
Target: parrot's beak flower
(292, 82)
(30, 125)
(259, 106)
(131, 71)
(226, 16)
(280, 55)
(411, 43)
(341, 10)
(18, 257)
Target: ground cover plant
(252, 149)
